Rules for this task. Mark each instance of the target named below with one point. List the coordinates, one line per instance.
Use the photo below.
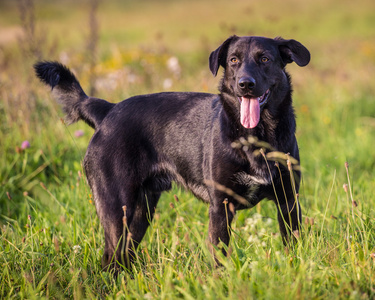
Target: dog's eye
(234, 60)
(264, 59)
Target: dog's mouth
(250, 109)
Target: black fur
(68, 92)
(142, 144)
(54, 74)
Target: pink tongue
(250, 112)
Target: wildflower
(305, 109)
(76, 249)
(262, 232)
(78, 133)
(253, 239)
(64, 58)
(148, 296)
(251, 223)
(174, 66)
(167, 83)
(25, 145)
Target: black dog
(142, 144)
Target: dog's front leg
(221, 217)
(289, 217)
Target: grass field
(51, 241)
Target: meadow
(51, 241)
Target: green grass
(51, 239)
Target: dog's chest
(251, 184)
(251, 180)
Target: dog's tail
(68, 92)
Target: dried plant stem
(274, 188)
(226, 214)
(124, 241)
(29, 43)
(227, 191)
(354, 205)
(92, 43)
(293, 184)
(349, 188)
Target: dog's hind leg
(142, 218)
(113, 230)
(110, 204)
(123, 235)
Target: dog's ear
(219, 56)
(291, 50)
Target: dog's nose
(246, 83)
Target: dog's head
(254, 71)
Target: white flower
(253, 239)
(174, 66)
(76, 249)
(148, 296)
(252, 222)
(64, 58)
(167, 84)
(262, 232)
